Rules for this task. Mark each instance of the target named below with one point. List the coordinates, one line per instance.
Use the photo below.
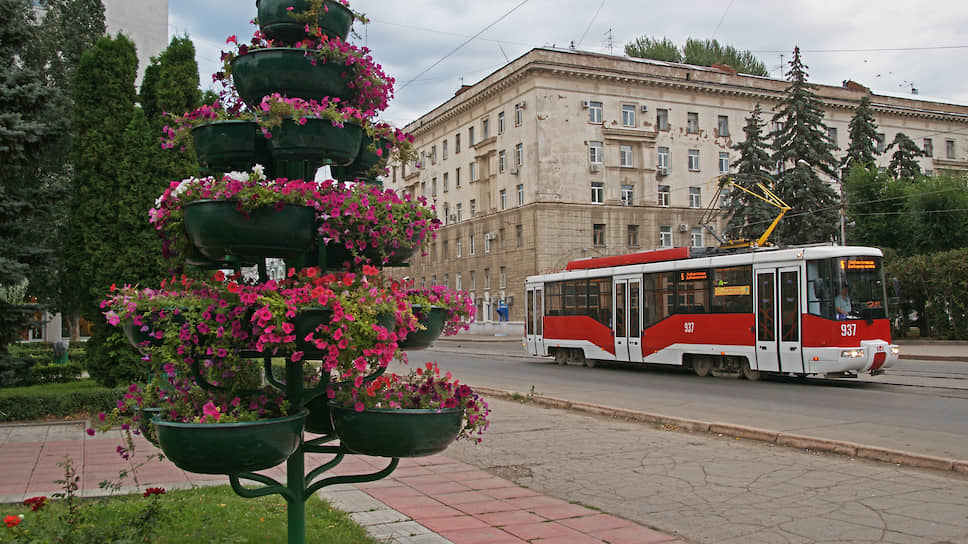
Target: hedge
(40, 402)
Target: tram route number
(848, 329)
(689, 327)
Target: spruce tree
(904, 161)
(750, 216)
(801, 149)
(863, 137)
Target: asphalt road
(918, 407)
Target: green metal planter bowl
(279, 24)
(230, 448)
(218, 229)
(226, 146)
(397, 433)
(288, 72)
(365, 160)
(433, 321)
(318, 421)
(145, 426)
(317, 142)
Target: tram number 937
(689, 327)
(848, 329)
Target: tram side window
(600, 300)
(570, 287)
(659, 291)
(692, 291)
(553, 299)
(820, 295)
(733, 290)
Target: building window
(519, 234)
(457, 177)
(595, 112)
(949, 147)
(693, 160)
(470, 136)
(518, 115)
(665, 236)
(447, 214)
(458, 284)
(500, 123)
(446, 280)
(433, 279)
(519, 154)
(472, 247)
(628, 115)
(832, 136)
(625, 156)
(504, 277)
(456, 143)
(500, 235)
(777, 127)
(487, 242)
(661, 119)
(460, 214)
(928, 147)
(692, 122)
(696, 237)
(485, 129)
(504, 199)
(444, 149)
(627, 195)
(695, 197)
(595, 152)
(473, 208)
(458, 244)
(722, 125)
(446, 183)
(879, 142)
(487, 278)
(598, 192)
(598, 234)
(502, 161)
(472, 171)
(633, 236)
(473, 280)
(520, 194)
(663, 196)
(433, 186)
(723, 162)
(663, 156)
(433, 154)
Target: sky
(890, 46)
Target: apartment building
(565, 154)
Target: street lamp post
(843, 200)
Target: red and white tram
(796, 310)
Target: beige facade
(562, 155)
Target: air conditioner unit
(683, 227)
(513, 171)
(490, 236)
(521, 104)
(661, 171)
(584, 103)
(594, 167)
(644, 108)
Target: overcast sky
(888, 45)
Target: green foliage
(936, 286)
(696, 52)
(937, 207)
(750, 216)
(649, 48)
(40, 367)
(814, 216)
(863, 137)
(904, 161)
(111, 360)
(171, 81)
(877, 209)
(56, 401)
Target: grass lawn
(210, 515)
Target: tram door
(627, 318)
(534, 331)
(778, 343)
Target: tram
(805, 310)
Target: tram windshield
(846, 288)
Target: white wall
(144, 21)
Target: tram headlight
(895, 351)
(852, 353)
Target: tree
(750, 216)
(904, 161)
(648, 48)
(863, 137)
(171, 81)
(696, 52)
(801, 148)
(939, 220)
(878, 209)
(27, 135)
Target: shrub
(57, 401)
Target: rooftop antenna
(609, 41)
(506, 59)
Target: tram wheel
(749, 373)
(702, 366)
(561, 357)
(590, 363)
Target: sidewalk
(430, 500)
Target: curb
(872, 453)
(952, 358)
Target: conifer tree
(749, 216)
(863, 137)
(801, 149)
(904, 161)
